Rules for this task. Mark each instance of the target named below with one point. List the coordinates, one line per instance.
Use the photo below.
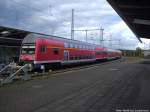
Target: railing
(12, 75)
(6, 67)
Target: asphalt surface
(104, 88)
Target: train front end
(28, 50)
(27, 53)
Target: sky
(54, 17)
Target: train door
(66, 55)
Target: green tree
(139, 52)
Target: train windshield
(28, 49)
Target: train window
(76, 46)
(80, 46)
(24, 51)
(56, 51)
(31, 51)
(90, 47)
(66, 45)
(83, 47)
(28, 49)
(71, 45)
(87, 47)
(43, 49)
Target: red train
(48, 50)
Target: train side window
(84, 47)
(71, 45)
(76, 46)
(66, 45)
(56, 51)
(80, 46)
(87, 47)
(43, 49)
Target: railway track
(90, 88)
(76, 67)
(65, 69)
(95, 99)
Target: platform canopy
(136, 14)
(11, 37)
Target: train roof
(113, 50)
(30, 38)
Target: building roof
(11, 36)
(14, 37)
(136, 15)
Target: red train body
(41, 49)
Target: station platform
(122, 85)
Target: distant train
(51, 50)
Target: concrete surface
(105, 88)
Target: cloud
(54, 17)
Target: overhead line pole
(86, 35)
(101, 35)
(86, 31)
(72, 25)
